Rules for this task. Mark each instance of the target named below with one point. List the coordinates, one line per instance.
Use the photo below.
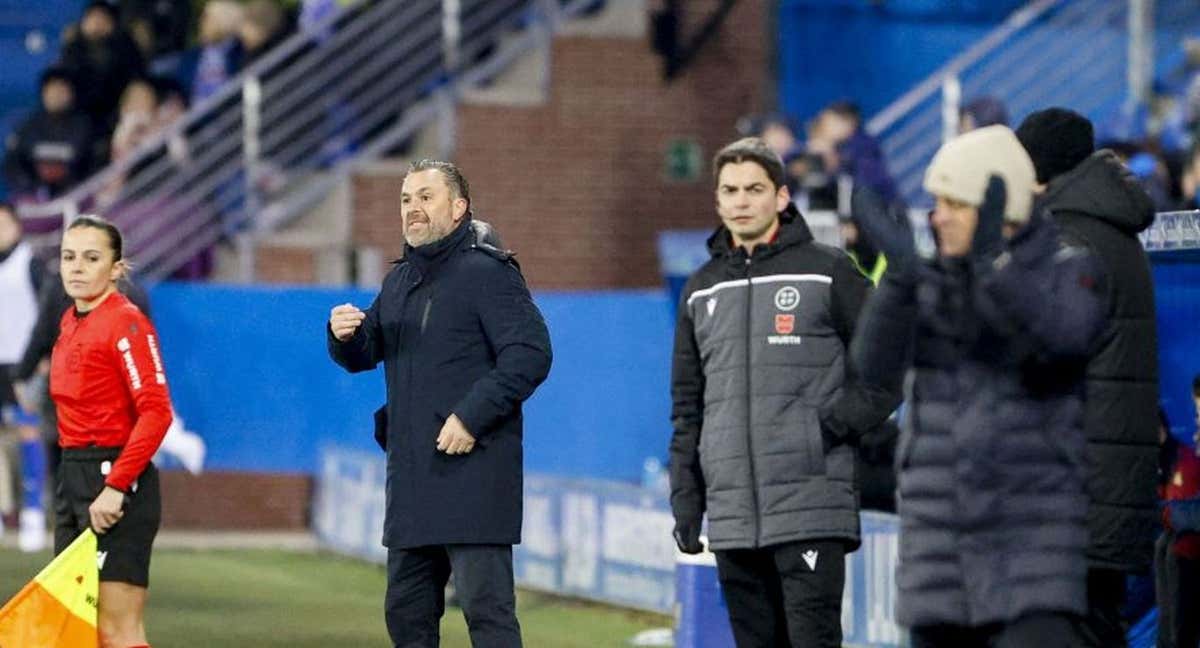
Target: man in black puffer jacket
(993, 336)
(765, 414)
(1099, 203)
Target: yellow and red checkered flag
(57, 609)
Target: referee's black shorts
(123, 553)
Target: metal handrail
(87, 189)
(1039, 37)
(933, 83)
(1044, 54)
(1011, 82)
(370, 78)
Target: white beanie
(961, 168)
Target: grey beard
(425, 238)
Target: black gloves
(833, 432)
(989, 232)
(687, 535)
(888, 229)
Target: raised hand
(888, 229)
(989, 232)
(344, 320)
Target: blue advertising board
(610, 542)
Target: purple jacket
(863, 160)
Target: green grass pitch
(268, 599)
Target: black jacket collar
(427, 257)
(792, 231)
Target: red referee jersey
(107, 382)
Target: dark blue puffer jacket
(992, 455)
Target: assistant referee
(110, 392)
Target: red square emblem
(785, 324)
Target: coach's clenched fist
(344, 320)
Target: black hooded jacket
(458, 334)
(1100, 205)
(764, 409)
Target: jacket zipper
(425, 313)
(750, 402)
(408, 365)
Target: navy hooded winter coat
(458, 333)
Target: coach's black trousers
(788, 595)
(483, 582)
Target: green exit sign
(684, 160)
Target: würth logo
(135, 379)
(785, 324)
(158, 369)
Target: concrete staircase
(566, 151)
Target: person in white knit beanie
(958, 178)
(990, 340)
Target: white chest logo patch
(787, 298)
(711, 305)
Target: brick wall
(376, 196)
(285, 264)
(577, 186)
(236, 500)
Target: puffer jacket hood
(1103, 187)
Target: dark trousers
(483, 582)
(1044, 630)
(785, 596)
(1104, 627)
(1177, 587)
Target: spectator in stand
(129, 196)
(1189, 181)
(137, 117)
(802, 174)
(778, 133)
(980, 112)
(849, 149)
(104, 58)
(138, 120)
(172, 105)
(172, 99)
(1151, 171)
(1149, 168)
(264, 26)
(160, 28)
(204, 69)
(1177, 554)
(51, 150)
